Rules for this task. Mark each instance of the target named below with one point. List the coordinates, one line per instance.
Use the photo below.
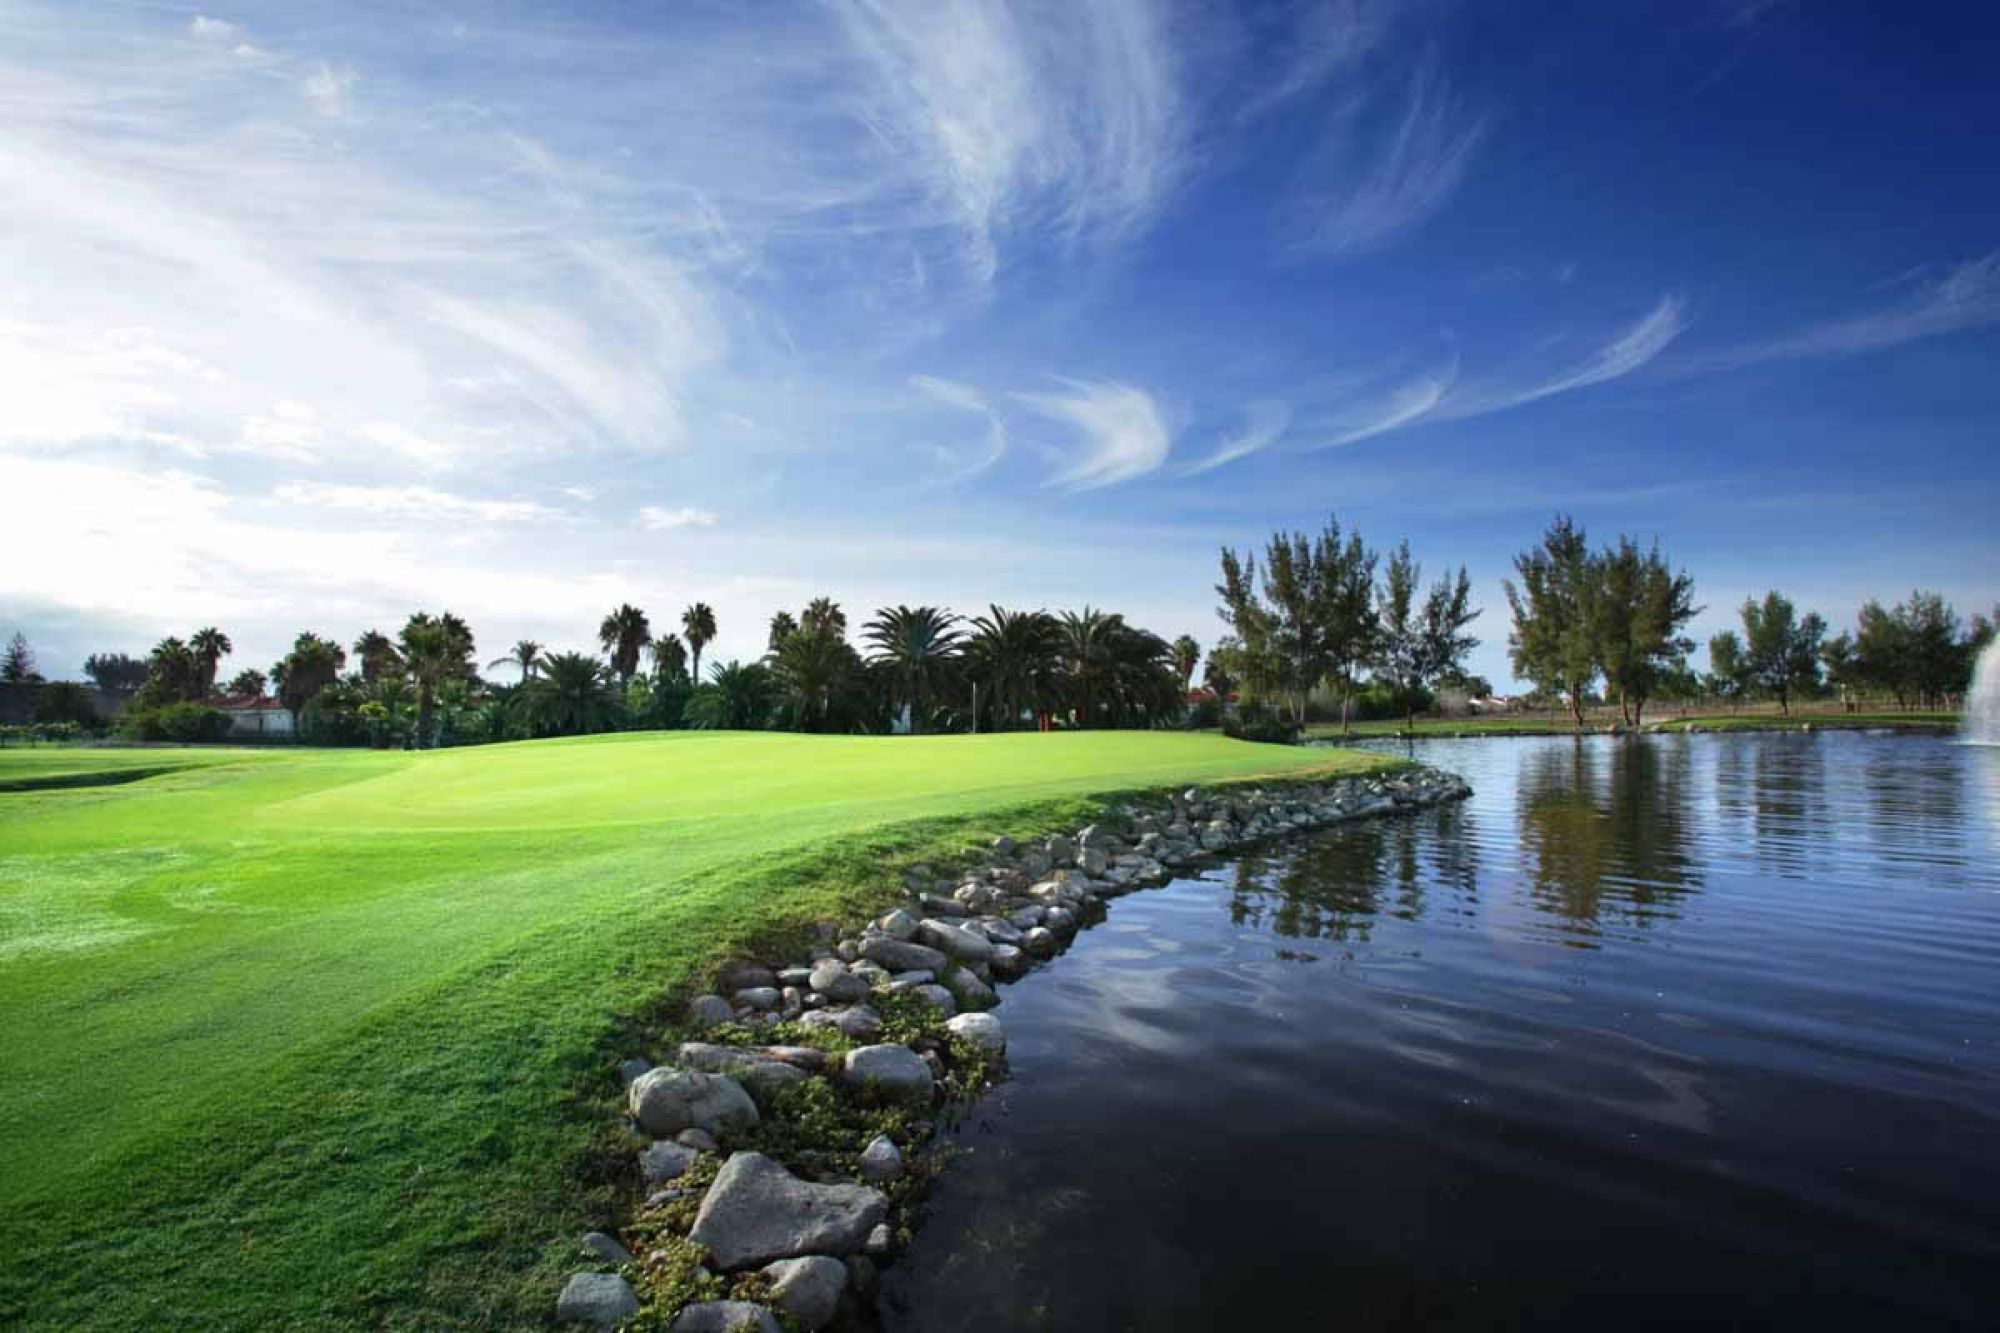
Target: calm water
(1681, 1030)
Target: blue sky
(316, 314)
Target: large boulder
(664, 1161)
(708, 1011)
(982, 1030)
(855, 1022)
(900, 955)
(881, 1160)
(894, 1070)
(967, 946)
(757, 1211)
(831, 978)
(724, 1317)
(667, 1100)
(808, 1289)
(602, 1300)
(760, 1072)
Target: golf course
(325, 1038)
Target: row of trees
(1312, 616)
(916, 668)
(1917, 653)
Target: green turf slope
(321, 1038)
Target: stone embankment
(783, 1147)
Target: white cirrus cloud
(1123, 434)
(326, 88)
(1362, 199)
(408, 502)
(1963, 296)
(962, 462)
(1263, 426)
(659, 518)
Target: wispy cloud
(658, 518)
(326, 88)
(1263, 426)
(962, 463)
(1362, 199)
(1063, 112)
(1964, 296)
(1405, 405)
(1632, 348)
(1123, 433)
(408, 502)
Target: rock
(942, 906)
(1061, 850)
(980, 1029)
(872, 973)
(880, 1241)
(666, 1101)
(724, 1317)
(1036, 864)
(890, 1069)
(698, 1139)
(969, 990)
(965, 945)
(602, 1300)
(761, 998)
(1004, 845)
(938, 998)
(861, 1273)
(1060, 920)
(881, 1160)
(758, 1068)
(1093, 861)
(744, 976)
(832, 979)
(900, 955)
(664, 1161)
(898, 925)
(601, 1245)
(1000, 930)
(794, 976)
(757, 1211)
(857, 1022)
(808, 1289)
(629, 1071)
(1041, 943)
(707, 1011)
(905, 980)
(1009, 961)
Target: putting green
(320, 1037)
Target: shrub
(183, 723)
(1260, 722)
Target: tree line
(916, 669)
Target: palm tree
(782, 628)
(209, 645)
(698, 625)
(1187, 656)
(1145, 684)
(525, 658)
(824, 613)
(738, 697)
(378, 655)
(1012, 659)
(817, 671)
(1088, 667)
(918, 648)
(572, 697)
(428, 656)
(624, 634)
(314, 663)
(249, 683)
(670, 657)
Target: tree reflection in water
(1608, 837)
(1336, 885)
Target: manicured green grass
(30, 768)
(324, 1039)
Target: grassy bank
(1541, 725)
(323, 1038)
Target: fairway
(318, 1037)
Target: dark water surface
(1651, 1032)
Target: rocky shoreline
(783, 1145)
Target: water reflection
(1608, 834)
(1337, 886)
(1765, 1088)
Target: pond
(1670, 1030)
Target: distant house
(257, 716)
